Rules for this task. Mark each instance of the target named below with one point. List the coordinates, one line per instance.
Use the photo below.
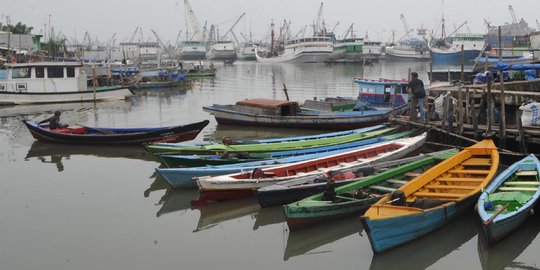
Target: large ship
(303, 50)
(193, 50)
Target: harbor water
(88, 207)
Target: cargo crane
(195, 26)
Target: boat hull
(322, 122)
(12, 98)
(120, 136)
(392, 56)
(453, 58)
(193, 55)
(303, 57)
(387, 233)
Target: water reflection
(427, 250)
(503, 254)
(54, 153)
(157, 184)
(34, 110)
(176, 200)
(268, 216)
(302, 242)
(214, 213)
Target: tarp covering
(504, 67)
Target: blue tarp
(505, 67)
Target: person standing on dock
(417, 93)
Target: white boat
(348, 49)
(409, 49)
(303, 50)
(373, 48)
(193, 50)
(223, 50)
(247, 52)
(448, 51)
(53, 82)
(238, 185)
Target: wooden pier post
(462, 62)
(489, 107)
(502, 118)
(460, 112)
(430, 72)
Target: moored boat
(508, 200)
(114, 136)
(383, 92)
(53, 82)
(281, 113)
(432, 199)
(358, 194)
(303, 50)
(183, 177)
(359, 134)
(240, 185)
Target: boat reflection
(158, 184)
(427, 250)
(268, 216)
(503, 254)
(176, 200)
(30, 110)
(302, 242)
(215, 213)
(42, 151)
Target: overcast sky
(103, 18)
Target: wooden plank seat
(397, 181)
(450, 187)
(412, 174)
(518, 188)
(521, 183)
(459, 179)
(470, 171)
(438, 195)
(382, 189)
(527, 173)
(477, 162)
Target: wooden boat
(280, 113)
(358, 194)
(163, 84)
(114, 136)
(267, 147)
(173, 161)
(240, 185)
(507, 202)
(432, 199)
(183, 177)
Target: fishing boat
(222, 50)
(246, 52)
(358, 194)
(432, 199)
(303, 50)
(383, 92)
(174, 161)
(193, 50)
(360, 134)
(233, 186)
(447, 51)
(409, 49)
(53, 82)
(163, 79)
(348, 50)
(197, 69)
(78, 134)
(184, 177)
(508, 200)
(282, 113)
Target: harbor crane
(405, 25)
(318, 21)
(234, 24)
(512, 13)
(349, 31)
(195, 26)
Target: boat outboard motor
(398, 198)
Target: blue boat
(432, 199)
(183, 177)
(447, 50)
(508, 201)
(383, 92)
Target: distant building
(20, 42)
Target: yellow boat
(432, 199)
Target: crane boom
(512, 13)
(234, 24)
(195, 26)
(316, 27)
(404, 22)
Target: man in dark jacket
(54, 122)
(417, 93)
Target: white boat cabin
(44, 77)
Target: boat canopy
(267, 103)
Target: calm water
(77, 207)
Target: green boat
(175, 161)
(355, 198)
(265, 147)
